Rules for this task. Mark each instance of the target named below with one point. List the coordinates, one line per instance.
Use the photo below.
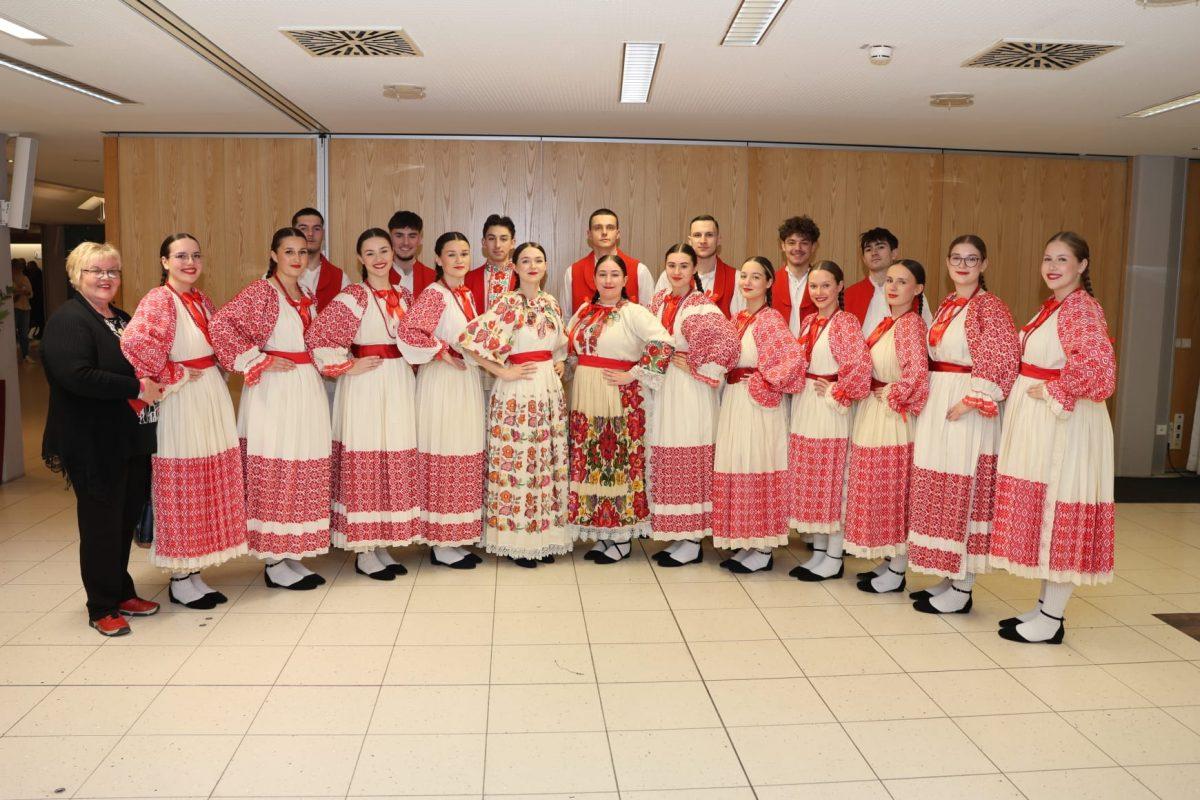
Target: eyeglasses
(104, 273)
(183, 258)
(970, 261)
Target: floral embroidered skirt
(608, 459)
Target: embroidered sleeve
(852, 357)
(331, 333)
(995, 353)
(908, 395)
(490, 335)
(657, 350)
(416, 340)
(711, 340)
(781, 361)
(553, 318)
(147, 339)
(1090, 371)
(242, 327)
(656, 302)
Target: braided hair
(1079, 248)
(620, 262)
(164, 250)
(690, 252)
(918, 272)
(277, 240)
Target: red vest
(858, 299)
(583, 279)
(724, 284)
(475, 282)
(781, 298)
(422, 277)
(329, 283)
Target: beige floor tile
(56, 572)
(430, 710)
(699, 596)
(437, 664)
(1174, 782)
(542, 663)
(12, 624)
(622, 597)
(1082, 614)
(859, 698)
(917, 748)
(1078, 688)
(152, 665)
(675, 759)
(707, 572)
(16, 701)
(1184, 602)
(544, 708)
(455, 628)
(720, 661)
(185, 766)
(1014, 654)
(1172, 639)
(261, 600)
(298, 766)
(537, 598)
(859, 655)
(49, 766)
(567, 762)
(845, 790)
(1032, 742)
(779, 701)
(934, 652)
(232, 666)
(561, 574)
(629, 571)
(975, 787)
(986, 612)
(352, 629)
(86, 711)
(729, 793)
(632, 627)
(969, 693)
(170, 629)
(432, 764)
(788, 594)
(1168, 683)
(460, 599)
(58, 628)
(35, 552)
(891, 620)
(1121, 645)
(323, 665)
(355, 599)
(484, 575)
(795, 754)
(1162, 581)
(1138, 736)
(300, 710)
(183, 710)
(1139, 610)
(539, 627)
(31, 599)
(1188, 715)
(258, 629)
(640, 663)
(657, 706)
(724, 625)
(813, 622)
(1106, 783)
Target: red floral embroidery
(244, 323)
(1090, 371)
(746, 506)
(781, 363)
(453, 484)
(285, 492)
(984, 505)
(527, 466)
(1017, 531)
(818, 469)
(993, 343)
(681, 475)
(335, 328)
(877, 497)
(935, 561)
(711, 338)
(199, 505)
(939, 504)
(149, 336)
(422, 320)
(852, 357)
(376, 481)
(908, 395)
(610, 453)
(680, 526)
(1083, 538)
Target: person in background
(604, 239)
(37, 311)
(407, 231)
(320, 278)
(22, 294)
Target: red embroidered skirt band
(1040, 373)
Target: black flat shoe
(1011, 633)
(866, 576)
(546, 559)
(808, 576)
(605, 558)
(317, 580)
(592, 555)
(668, 560)
(524, 563)
(1011, 622)
(810, 547)
(217, 597)
(742, 569)
(396, 569)
(728, 564)
(303, 585)
(205, 603)
(800, 569)
(926, 606)
(382, 575)
(919, 594)
(865, 585)
(462, 563)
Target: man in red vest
(320, 276)
(603, 236)
(406, 228)
(866, 299)
(798, 240)
(717, 279)
(496, 275)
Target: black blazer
(91, 431)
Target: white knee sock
(955, 597)
(199, 583)
(892, 576)
(1054, 606)
(384, 556)
(941, 586)
(620, 549)
(1036, 611)
(297, 567)
(673, 547)
(369, 563)
(183, 590)
(600, 546)
(447, 555)
(820, 545)
(831, 559)
(462, 551)
(686, 551)
(281, 572)
(740, 555)
(756, 559)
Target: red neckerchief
(303, 305)
(743, 319)
(195, 308)
(809, 339)
(946, 315)
(392, 298)
(1048, 307)
(462, 296)
(883, 327)
(591, 314)
(670, 308)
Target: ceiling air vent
(326, 42)
(1019, 54)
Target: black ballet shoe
(1010, 622)
(524, 563)
(728, 564)
(205, 603)
(865, 585)
(303, 585)
(810, 547)
(546, 559)
(742, 569)
(462, 563)
(382, 575)
(217, 597)
(1012, 635)
(669, 561)
(808, 576)
(800, 569)
(920, 594)
(592, 555)
(660, 555)
(926, 606)
(605, 558)
(396, 569)
(315, 579)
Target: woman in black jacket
(99, 432)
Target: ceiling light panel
(62, 80)
(751, 22)
(1170, 105)
(19, 31)
(637, 73)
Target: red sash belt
(303, 357)
(606, 363)
(203, 362)
(454, 353)
(378, 350)
(876, 383)
(740, 374)
(1041, 373)
(531, 357)
(831, 378)
(946, 366)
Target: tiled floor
(577, 680)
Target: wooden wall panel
(1187, 319)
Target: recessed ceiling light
(952, 100)
(1170, 105)
(91, 204)
(62, 80)
(19, 31)
(641, 59)
(751, 22)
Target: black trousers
(106, 533)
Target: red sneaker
(137, 607)
(112, 625)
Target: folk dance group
(731, 404)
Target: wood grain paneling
(1187, 319)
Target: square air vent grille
(328, 42)
(1018, 54)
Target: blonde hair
(83, 256)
